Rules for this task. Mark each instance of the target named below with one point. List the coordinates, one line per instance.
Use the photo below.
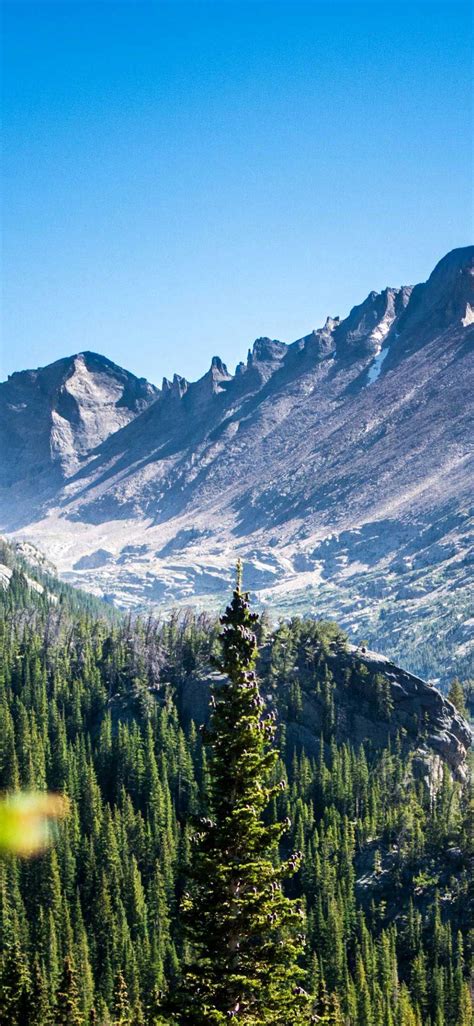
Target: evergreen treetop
(246, 935)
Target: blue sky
(180, 178)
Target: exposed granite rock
(52, 419)
(443, 729)
(430, 725)
(337, 467)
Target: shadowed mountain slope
(337, 467)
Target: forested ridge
(93, 930)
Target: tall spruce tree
(246, 935)
(106, 895)
(68, 1012)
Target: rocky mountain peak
(62, 412)
(446, 299)
(368, 324)
(320, 343)
(458, 262)
(340, 458)
(219, 369)
(263, 359)
(175, 388)
(330, 324)
(88, 377)
(212, 383)
(266, 350)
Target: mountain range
(337, 467)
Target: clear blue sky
(180, 178)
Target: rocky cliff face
(446, 299)
(423, 712)
(337, 467)
(425, 722)
(51, 419)
(371, 699)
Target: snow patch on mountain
(468, 316)
(148, 496)
(376, 367)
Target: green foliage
(67, 1011)
(246, 935)
(457, 697)
(101, 710)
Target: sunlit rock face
(424, 720)
(53, 418)
(337, 467)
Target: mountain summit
(337, 467)
(50, 418)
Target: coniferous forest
(226, 868)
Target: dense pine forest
(111, 924)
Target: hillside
(338, 467)
(371, 700)
(373, 771)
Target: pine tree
(121, 1003)
(38, 998)
(68, 1012)
(14, 984)
(73, 714)
(457, 697)
(246, 936)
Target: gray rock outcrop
(338, 467)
